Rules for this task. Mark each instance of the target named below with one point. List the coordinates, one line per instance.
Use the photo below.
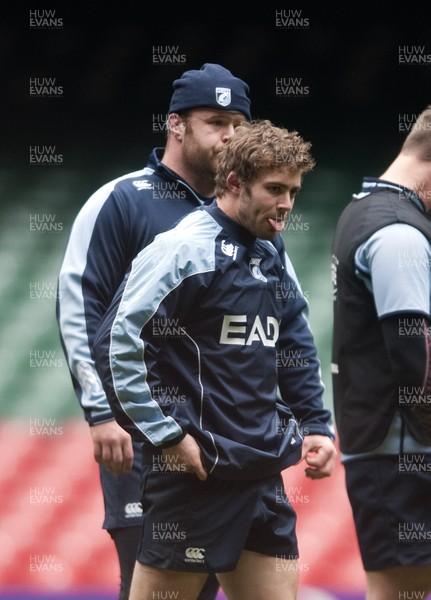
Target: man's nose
(228, 132)
(286, 203)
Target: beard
(200, 160)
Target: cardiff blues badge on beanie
(212, 86)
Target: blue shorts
(203, 526)
(122, 494)
(390, 498)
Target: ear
(233, 182)
(176, 125)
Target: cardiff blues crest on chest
(254, 266)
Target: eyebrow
(295, 189)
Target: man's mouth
(278, 222)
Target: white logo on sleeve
(88, 379)
(236, 330)
(143, 184)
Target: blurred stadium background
(355, 96)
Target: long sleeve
(147, 298)
(94, 264)
(299, 374)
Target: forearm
(300, 381)
(89, 276)
(72, 323)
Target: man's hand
(320, 455)
(188, 454)
(112, 447)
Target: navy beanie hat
(212, 86)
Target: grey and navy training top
(208, 335)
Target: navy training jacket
(112, 227)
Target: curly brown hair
(258, 146)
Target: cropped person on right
(382, 367)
